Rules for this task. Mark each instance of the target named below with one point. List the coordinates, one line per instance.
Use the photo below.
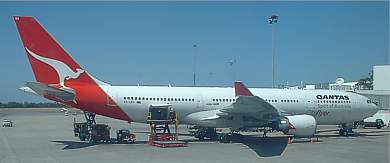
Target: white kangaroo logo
(64, 71)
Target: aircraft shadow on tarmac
(84, 144)
(148, 132)
(262, 146)
(75, 144)
(267, 146)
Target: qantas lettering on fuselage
(332, 97)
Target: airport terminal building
(381, 87)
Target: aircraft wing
(49, 91)
(247, 110)
(249, 105)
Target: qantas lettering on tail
(64, 71)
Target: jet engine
(299, 125)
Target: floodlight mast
(273, 19)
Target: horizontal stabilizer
(49, 91)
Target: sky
(151, 43)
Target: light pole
(273, 19)
(230, 64)
(195, 51)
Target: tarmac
(46, 135)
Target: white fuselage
(136, 100)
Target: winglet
(241, 90)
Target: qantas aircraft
(298, 112)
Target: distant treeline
(31, 105)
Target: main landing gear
(210, 133)
(230, 137)
(346, 130)
(204, 132)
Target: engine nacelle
(299, 125)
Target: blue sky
(129, 43)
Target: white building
(381, 77)
(381, 82)
(341, 85)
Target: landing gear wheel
(224, 138)
(346, 130)
(205, 132)
(230, 137)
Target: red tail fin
(53, 65)
(50, 62)
(241, 89)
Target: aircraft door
(199, 102)
(311, 107)
(311, 104)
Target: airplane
(297, 112)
